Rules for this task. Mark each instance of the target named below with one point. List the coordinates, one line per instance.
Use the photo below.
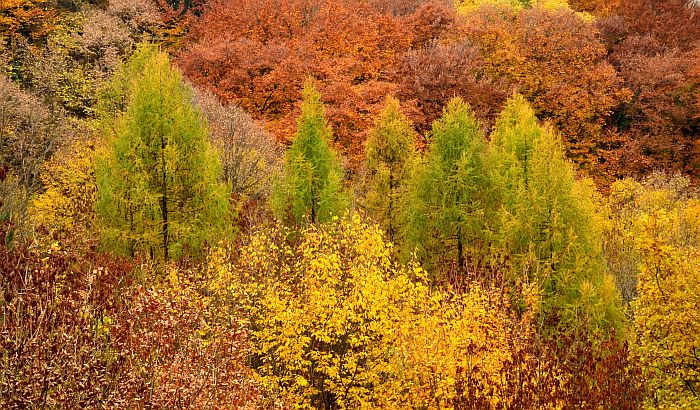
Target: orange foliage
(31, 19)
(655, 46)
(555, 59)
(259, 53)
(595, 7)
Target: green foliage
(390, 151)
(312, 187)
(444, 205)
(158, 189)
(546, 224)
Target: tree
(250, 157)
(546, 223)
(596, 7)
(431, 76)
(630, 204)
(674, 23)
(259, 52)
(313, 182)
(390, 150)
(653, 247)
(337, 323)
(30, 19)
(158, 189)
(556, 60)
(667, 318)
(445, 202)
(467, 6)
(66, 208)
(654, 47)
(29, 133)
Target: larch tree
(389, 151)
(444, 204)
(157, 179)
(312, 187)
(545, 225)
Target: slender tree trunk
(313, 210)
(164, 210)
(460, 249)
(390, 213)
(164, 199)
(313, 204)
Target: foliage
(595, 7)
(259, 53)
(630, 204)
(390, 151)
(653, 247)
(82, 331)
(251, 159)
(569, 373)
(519, 303)
(249, 155)
(444, 205)
(546, 222)
(13, 204)
(158, 189)
(28, 133)
(666, 315)
(555, 59)
(30, 19)
(431, 76)
(66, 208)
(654, 46)
(59, 75)
(311, 188)
(336, 323)
(468, 6)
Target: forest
(350, 204)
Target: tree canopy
(158, 188)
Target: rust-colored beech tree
(430, 77)
(258, 53)
(655, 47)
(556, 60)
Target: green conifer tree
(158, 189)
(444, 204)
(312, 187)
(545, 224)
(390, 150)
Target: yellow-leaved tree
(653, 249)
(467, 6)
(66, 207)
(336, 323)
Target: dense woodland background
(340, 204)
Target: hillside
(344, 204)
